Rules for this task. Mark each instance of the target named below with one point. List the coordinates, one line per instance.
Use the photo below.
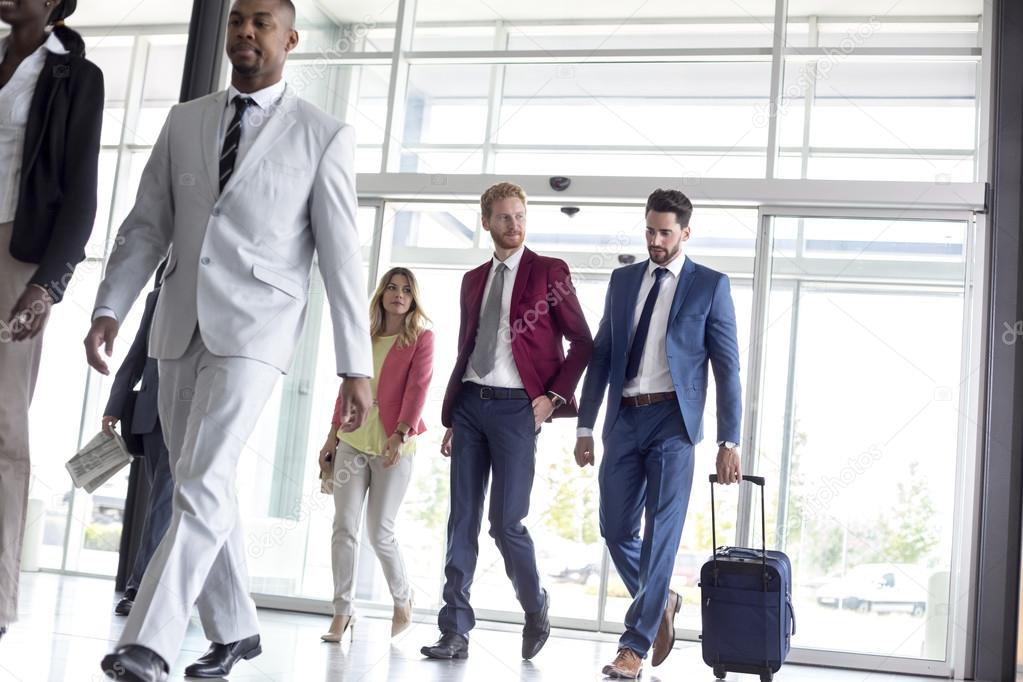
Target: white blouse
(15, 102)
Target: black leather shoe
(536, 630)
(134, 663)
(220, 658)
(123, 607)
(450, 645)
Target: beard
(664, 256)
(503, 241)
(247, 70)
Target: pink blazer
(402, 386)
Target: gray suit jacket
(240, 261)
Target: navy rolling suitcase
(746, 604)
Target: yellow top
(370, 438)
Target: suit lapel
(685, 283)
(211, 120)
(628, 295)
(46, 87)
(476, 300)
(525, 270)
(275, 126)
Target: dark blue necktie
(229, 151)
(639, 339)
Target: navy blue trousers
(158, 514)
(491, 437)
(646, 473)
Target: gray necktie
(483, 355)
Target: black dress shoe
(220, 658)
(123, 607)
(450, 645)
(134, 663)
(536, 630)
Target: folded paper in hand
(98, 461)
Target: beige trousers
(357, 476)
(19, 368)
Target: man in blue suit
(145, 423)
(664, 320)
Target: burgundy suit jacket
(544, 312)
(402, 386)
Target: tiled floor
(67, 626)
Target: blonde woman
(375, 460)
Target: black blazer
(138, 365)
(57, 198)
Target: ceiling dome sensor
(560, 183)
(570, 211)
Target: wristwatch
(556, 399)
(403, 435)
(727, 444)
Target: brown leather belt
(648, 399)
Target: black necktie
(639, 340)
(229, 152)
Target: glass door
(857, 424)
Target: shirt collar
(264, 98)
(52, 44)
(674, 267)
(512, 261)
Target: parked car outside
(878, 588)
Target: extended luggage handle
(756, 480)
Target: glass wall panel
(535, 25)
(697, 119)
(914, 23)
(332, 28)
(847, 116)
(859, 427)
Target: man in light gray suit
(242, 187)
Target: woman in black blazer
(51, 108)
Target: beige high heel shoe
(402, 618)
(338, 627)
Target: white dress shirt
(505, 374)
(15, 102)
(254, 118)
(654, 375)
(253, 122)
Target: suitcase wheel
(766, 676)
(719, 672)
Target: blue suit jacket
(138, 366)
(701, 331)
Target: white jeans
(19, 368)
(355, 475)
(208, 407)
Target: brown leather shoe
(665, 639)
(626, 666)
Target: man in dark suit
(512, 374)
(664, 320)
(145, 422)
